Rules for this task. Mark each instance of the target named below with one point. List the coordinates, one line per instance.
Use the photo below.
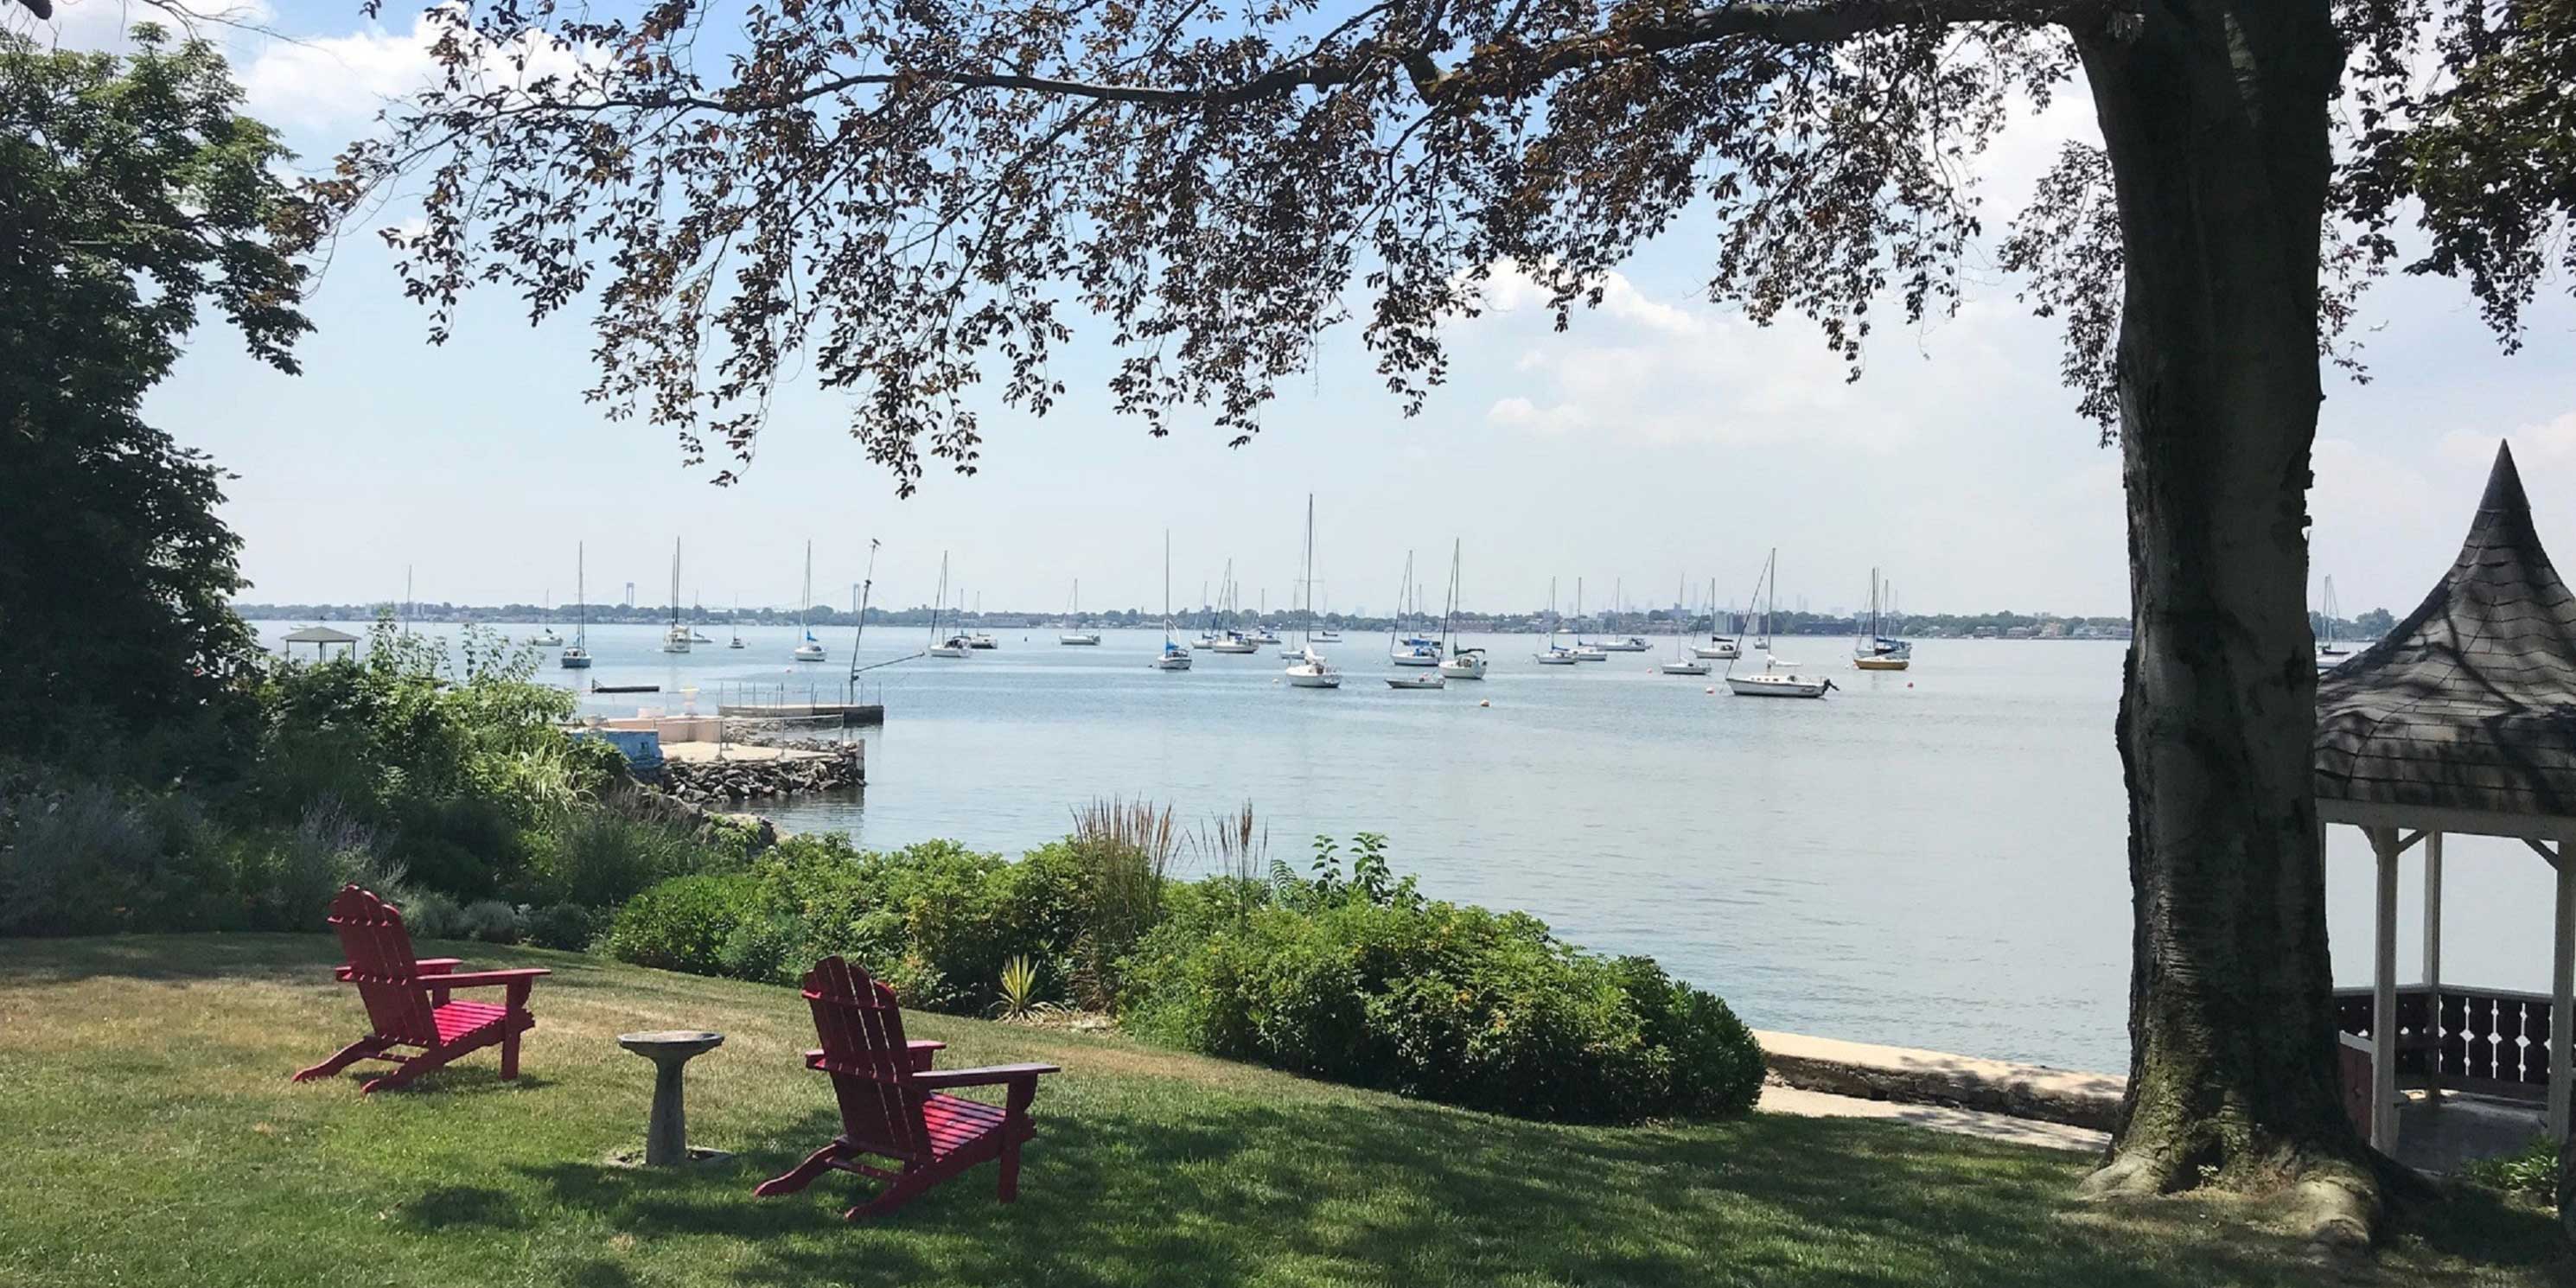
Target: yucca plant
(1020, 1004)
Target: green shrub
(568, 926)
(431, 915)
(2530, 1172)
(89, 859)
(597, 858)
(490, 920)
(683, 923)
(1435, 1000)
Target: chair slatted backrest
(863, 1049)
(383, 966)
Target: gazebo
(2462, 720)
(321, 638)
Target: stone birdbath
(666, 1140)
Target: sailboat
(1771, 681)
(1310, 670)
(577, 657)
(735, 618)
(1877, 651)
(1408, 650)
(1581, 652)
(697, 614)
(955, 644)
(859, 617)
(808, 648)
(1625, 643)
(1554, 654)
(545, 636)
(1223, 636)
(1174, 656)
(1684, 660)
(1721, 646)
(1461, 663)
(2330, 652)
(981, 638)
(1073, 618)
(677, 638)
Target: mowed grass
(149, 1135)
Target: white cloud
(340, 82)
(2548, 441)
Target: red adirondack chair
(890, 1101)
(407, 998)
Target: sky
(1662, 442)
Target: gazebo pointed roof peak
(2470, 703)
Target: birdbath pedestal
(666, 1140)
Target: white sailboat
(1877, 650)
(1413, 649)
(1684, 660)
(1582, 652)
(735, 619)
(577, 657)
(545, 636)
(1721, 647)
(1073, 619)
(677, 638)
(1459, 663)
(2330, 651)
(956, 643)
(1554, 654)
(1772, 681)
(1174, 656)
(1310, 670)
(808, 648)
(697, 613)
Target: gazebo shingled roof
(319, 635)
(2470, 703)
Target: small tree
(910, 197)
(131, 195)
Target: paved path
(1777, 1099)
(1934, 1079)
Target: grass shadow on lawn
(1342, 1193)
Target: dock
(849, 713)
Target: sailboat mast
(581, 594)
(1310, 568)
(867, 584)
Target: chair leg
(510, 1055)
(803, 1174)
(426, 1061)
(904, 1189)
(347, 1055)
(1009, 1188)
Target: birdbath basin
(666, 1139)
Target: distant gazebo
(321, 638)
(2462, 720)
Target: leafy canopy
(132, 195)
(911, 197)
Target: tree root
(2332, 1202)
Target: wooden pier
(850, 713)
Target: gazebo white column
(2433, 957)
(2562, 982)
(2383, 996)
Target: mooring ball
(1485, 702)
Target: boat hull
(809, 655)
(1416, 682)
(1882, 663)
(1774, 686)
(575, 664)
(1297, 680)
(1715, 652)
(1413, 659)
(1234, 646)
(1463, 670)
(948, 650)
(1685, 668)
(1077, 639)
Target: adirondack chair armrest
(518, 981)
(437, 965)
(987, 1076)
(921, 1049)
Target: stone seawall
(778, 770)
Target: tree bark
(2215, 120)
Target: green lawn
(151, 1137)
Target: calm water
(1931, 858)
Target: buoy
(1485, 702)
(1909, 684)
(1711, 689)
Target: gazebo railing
(2489, 1040)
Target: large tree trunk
(2215, 121)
